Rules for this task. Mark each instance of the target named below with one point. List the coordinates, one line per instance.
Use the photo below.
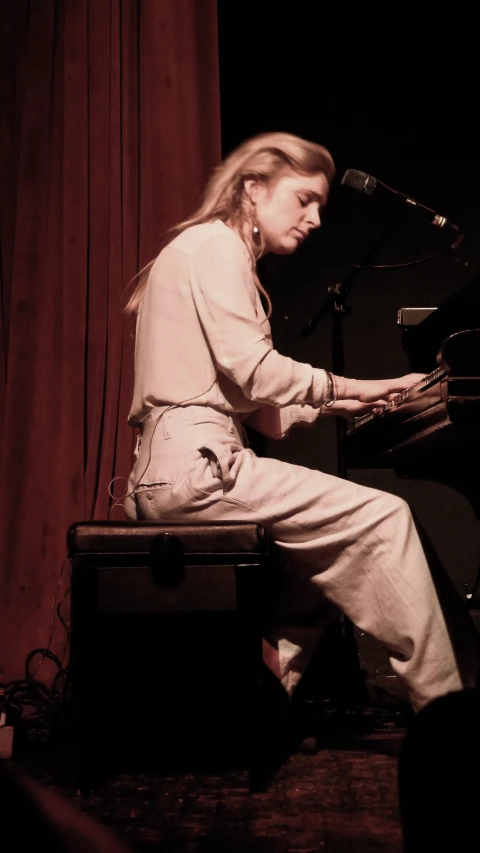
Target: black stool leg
(267, 706)
(84, 676)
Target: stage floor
(343, 798)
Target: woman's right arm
(224, 294)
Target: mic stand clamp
(337, 304)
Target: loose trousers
(339, 546)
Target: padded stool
(166, 645)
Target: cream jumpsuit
(204, 366)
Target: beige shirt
(203, 337)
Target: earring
(255, 231)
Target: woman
(205, 367)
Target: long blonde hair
(262, 157)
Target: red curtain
(109, 126)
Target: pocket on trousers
(201, 481)
(141, 488)
(152, 499)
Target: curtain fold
(110, 125)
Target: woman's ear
(253, 189)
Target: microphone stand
(335, 305)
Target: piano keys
(432, 429)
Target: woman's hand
(353, 408)
(374, 390)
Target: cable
(38, 711)
(34, 707)
(52, 617)
(119, 500)
(453, 246)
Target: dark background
(399, 103)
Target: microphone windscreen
(359, 181)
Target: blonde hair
(263, 158)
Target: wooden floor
(344, 798)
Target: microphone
(367, 184)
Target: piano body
(432, 430)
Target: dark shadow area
(438, 775)
(36, 818)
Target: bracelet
(331, 397)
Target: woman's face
(288, 209)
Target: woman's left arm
(277, 423)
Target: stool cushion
(110, 537)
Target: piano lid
(459, 312)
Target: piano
(432, 430)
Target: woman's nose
(314, 217)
